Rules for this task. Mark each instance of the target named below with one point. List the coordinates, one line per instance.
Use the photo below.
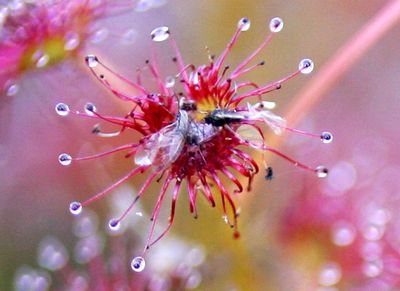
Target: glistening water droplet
(75, 208)
(65, 159)
(92, 61)
(306, 66)
(42, 61)
(138, 264)
(160, 33)
(62, 109)
(90, 108)
(276, 24)
(114, 224)
(244, 24)
(326, 137)
(321, 171)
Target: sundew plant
(192, 136)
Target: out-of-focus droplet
(330, 274)
(72, 41)
(52, 254)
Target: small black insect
(221, 117)
(269, 174)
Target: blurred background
(298, 232)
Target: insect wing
(275, 122)
(161, 149)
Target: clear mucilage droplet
(160, 33)
(114, 224)
(244, 24)
(90, 108)
(321, 171)
(306, 66)
(75, 208)
(65, 159)
(169, 82)
(276, 24)
(326, 137)
(138, 264)
(62, 109)
(92, 61)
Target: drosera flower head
(39, 33)
(192, 136)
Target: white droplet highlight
(306, 66)
(138, 264)
(160, 33)
(322, 172)
(326, 137)
(62, 109)
(244, 24)
(276, 24)
(75, 208)
(92, 61)
(65, 159)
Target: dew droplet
(138, 264)
(75, 208)
(169, 82)
(92, 61)
(321, 171)
(62, 109)
(114, 224)
(326, 137)
(306, 66)
(12, 89)
(71, 41)
(276, 24)
(42, 61)
(90, 108)
(244, 24)
(160, 33)
(65, 159)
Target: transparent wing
(161, 148)
(275, 122)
